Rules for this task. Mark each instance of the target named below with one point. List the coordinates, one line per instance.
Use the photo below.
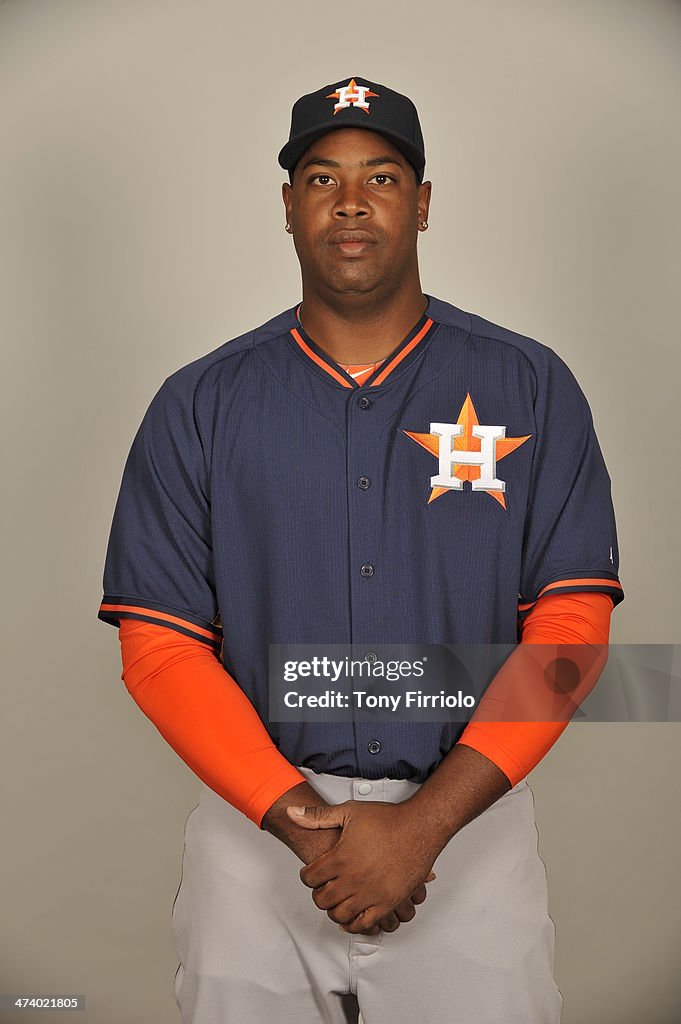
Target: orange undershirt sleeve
(516, 747)
(202, 712)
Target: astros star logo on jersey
(467, 450)
(351, 95)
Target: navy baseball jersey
(269, 498)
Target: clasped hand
(376, 871)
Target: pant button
(364, 788)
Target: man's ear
(286, 190)
(423, 199)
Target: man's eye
(324, 178)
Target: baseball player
(371, 466)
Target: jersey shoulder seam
(485, 329)
(242, 343)
(530, 348)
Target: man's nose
(351, 201)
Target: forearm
(534, 696)
(463, 785)
(494, 755)
(306, 844)
(203, 714)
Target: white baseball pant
(254, 948)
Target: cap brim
(291, 153)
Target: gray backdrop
(141, 225)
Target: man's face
(349, 181)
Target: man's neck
(362, 332)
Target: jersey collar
(407, 350)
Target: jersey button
(374, 747)
(364, 482)
(364, 402)
(367, 570)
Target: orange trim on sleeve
(202, 712)
(584, 585)
(517, 747)
(163, 618)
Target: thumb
(431, 876)
(318, 817)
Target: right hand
(403, 912)
(308, 845)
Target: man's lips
(352, 248)
(352, 243)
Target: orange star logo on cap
(351, 95)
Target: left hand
(383, 855)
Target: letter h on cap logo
(351, 95)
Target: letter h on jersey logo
(486, 458)
(467, 450)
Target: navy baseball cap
(355, 103)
